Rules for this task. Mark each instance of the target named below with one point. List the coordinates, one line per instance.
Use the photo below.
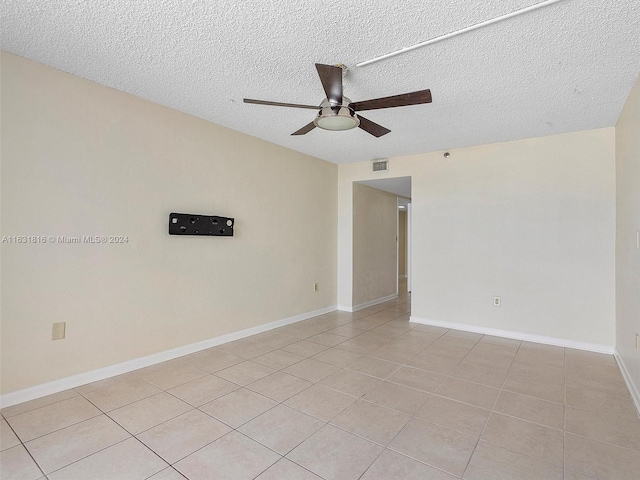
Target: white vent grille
(380, 166)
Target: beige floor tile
(397, 397)
(183, 435)
(418, 336)
(287, 470)
(538, 357)
(347, 330)
(337, 357)
(279, 386)
(238, 407)
(278, 359)
(17, 464)
(213, 359)
(570, 475)
(38, 403)
(481, 396)
(438, 446)
(277, 340)
(600, 460)
(350, 382)
(455, 415)
(359, 345)
(327, 339)
(232, 457)
(465, 335)
(311, 370)
(431, 329)
(391, 330)
(417, 378)
(281, 428)
(8, 438)
(59, 449)
(552, 392)
(128, 389)
(128, 459)
(506, 350)
(600, 402)
(490, 462)
(507, 342)
(533, 409)
(203, 390)
(170, 374)
(611, 386)
(488, 360)
(620, 431)
(371, 421)
(167, 474)
(374, 367)
(335, 454)
(453, 343)
(149, 412)
(305, 348)
(524, 437)
(392, 465)
(537, 373)
(491, 377)
(44, 420)
(251, 350)
(245, 373)
(396, 352)
(443, 365)
(321, 402)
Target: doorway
(381, 270)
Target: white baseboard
(371, 303)
(528, 337)
(633, 389)
(13, 398)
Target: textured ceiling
(566, 67)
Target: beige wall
(627, 226)
(532, 221)
(82, 159)
(402, 244)
(375, 273)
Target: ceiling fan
(337, 112)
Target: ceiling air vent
(380, 165)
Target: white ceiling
(566, 67)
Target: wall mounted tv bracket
(193, 224)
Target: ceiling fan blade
(304, 130)
(279, 104)
(331, 78)
(403, 100)
(372, 127)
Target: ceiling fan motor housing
(333, 116)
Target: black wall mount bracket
(195, 224)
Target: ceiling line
(461, 31)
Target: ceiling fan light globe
(344, 119)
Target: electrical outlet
(58, 331)
(496, 301)
(315, 287)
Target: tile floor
(342, 396)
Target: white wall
(82, 159)
(375, 226)
(627, 251)
(532, 221)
